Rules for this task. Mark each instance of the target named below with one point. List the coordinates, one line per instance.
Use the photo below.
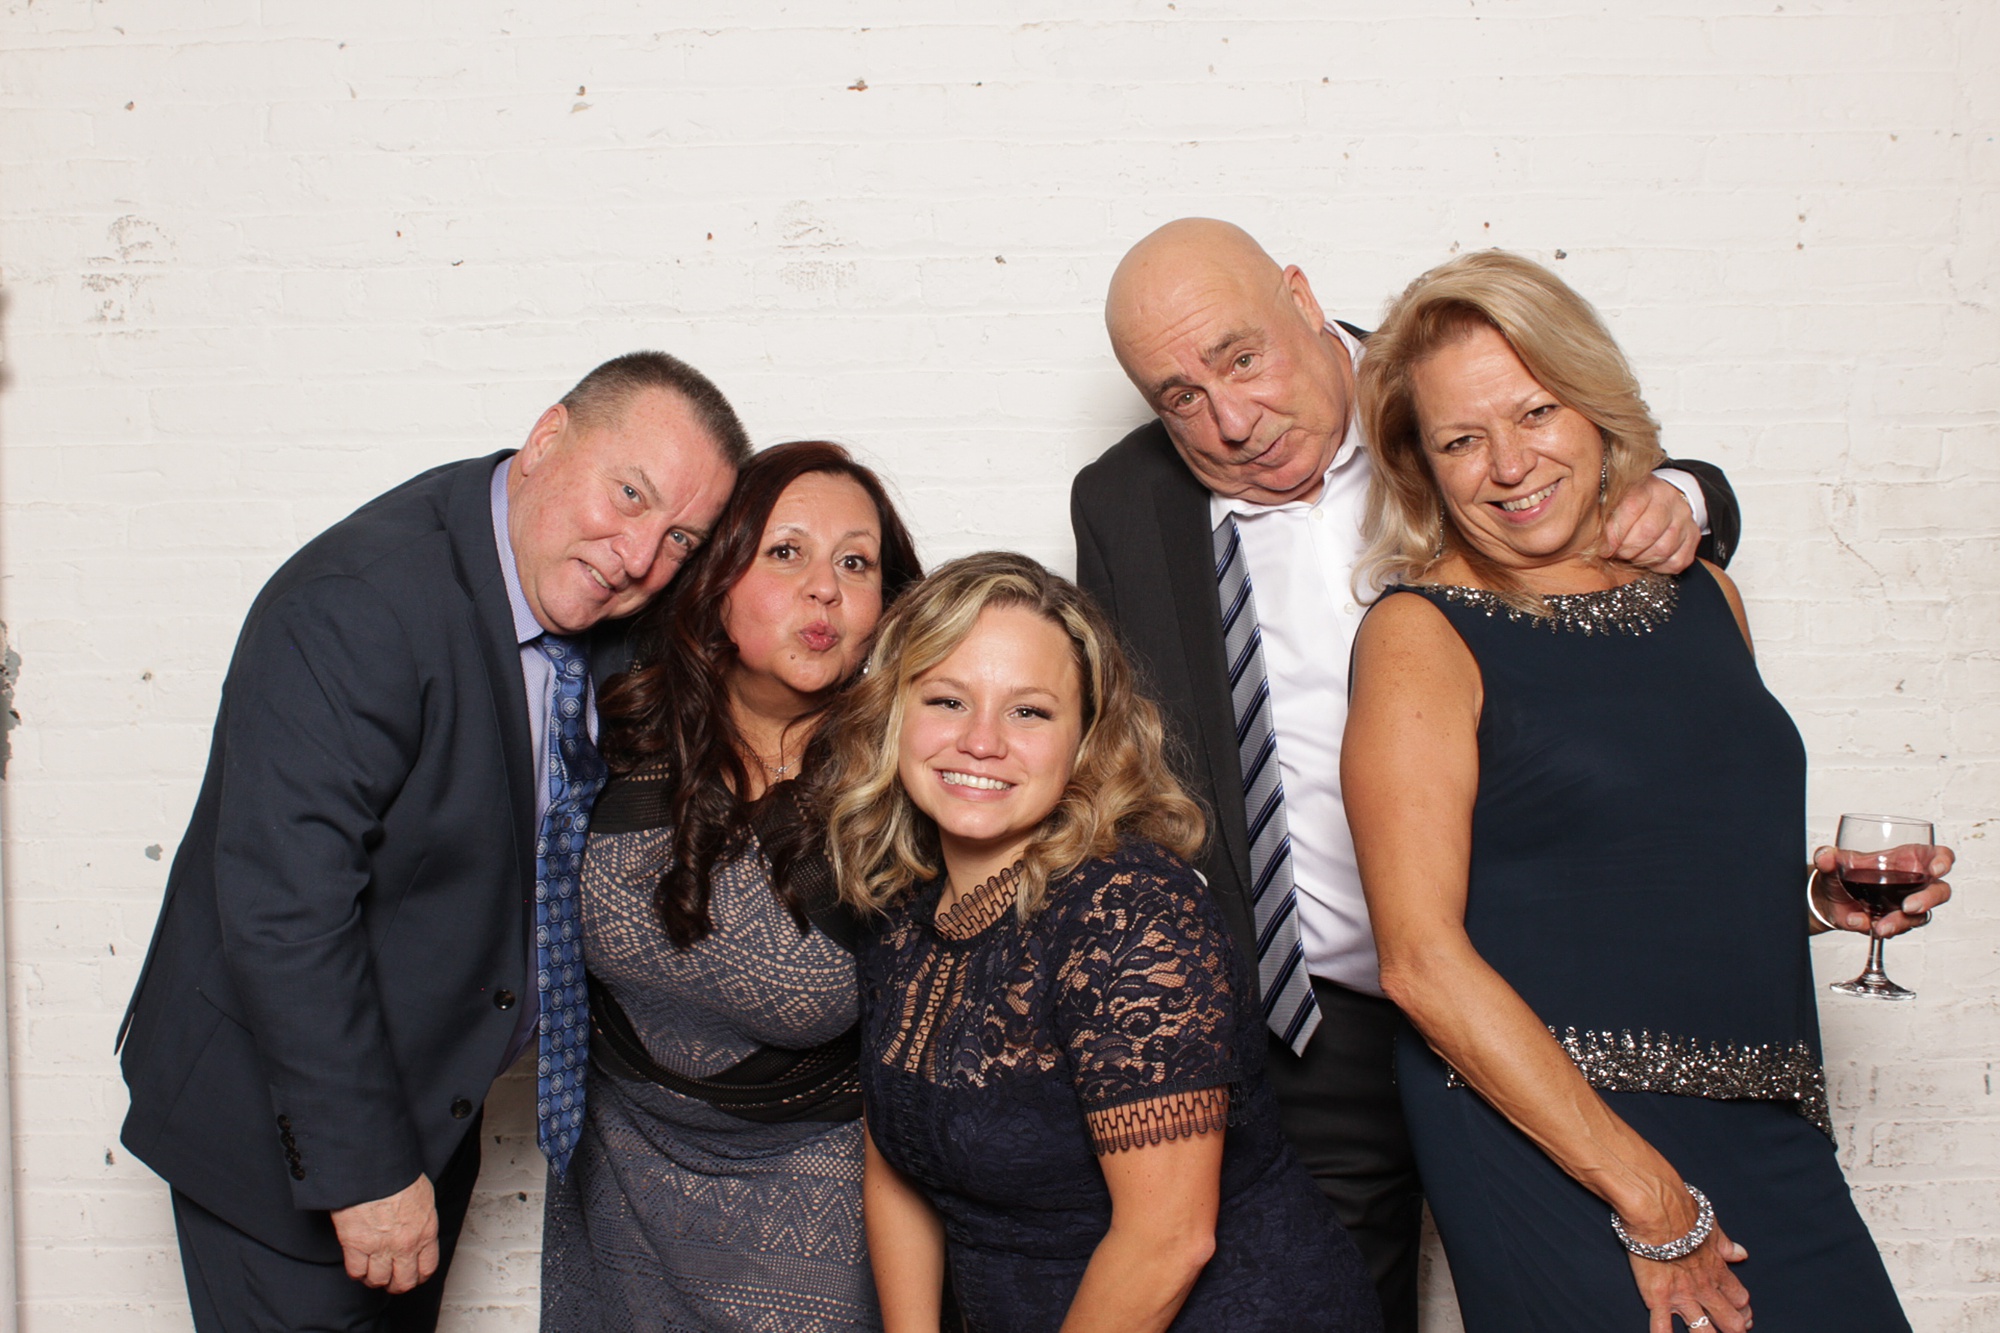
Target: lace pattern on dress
(1126, 976)
(1159, 1120)
(1638, 607)
(1723, 1071)
(981, 906)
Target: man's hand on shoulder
(1653, 527)
(391, 1242)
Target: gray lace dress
(675, 1215)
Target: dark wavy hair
(672, 707)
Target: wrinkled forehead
(1193, 314)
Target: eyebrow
(849, 535)
(1516, 407)
(646, 485)
(1213, 352)
(950, 682)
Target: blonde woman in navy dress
(1580, 816)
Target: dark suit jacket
(1144, 550)
(334, 978)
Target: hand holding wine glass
(1839, 910)
(1886, 865)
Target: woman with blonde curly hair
(1061, 1051)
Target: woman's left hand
(1700, 1288)
(1843, 911)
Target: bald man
(1242, 504)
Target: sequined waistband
(1723, 1071)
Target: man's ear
(1303, 299)
(544, 437)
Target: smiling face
(1234, 356)
(1517, 469)
(990, 736)
(801, 614)
(601, 515)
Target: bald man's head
(1232, 352)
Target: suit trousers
(238, 1284)
(1342, 1114)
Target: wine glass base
(1877, 987)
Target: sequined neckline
(1639, 607)
(980, 906)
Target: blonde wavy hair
(1563, 343)
(1121, 786)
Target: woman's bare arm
(1164, 1198)
(905, 1246)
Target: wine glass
(1880, 860)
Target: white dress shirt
(1302, 557)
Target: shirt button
(460, 1108)
(1318, 515)
(505, 999)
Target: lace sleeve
(1146, 1006)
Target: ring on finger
(1698, 1323)
(1922, 918)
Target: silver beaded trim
(1638, 607)
(1680, 1247)
(1721, 1071)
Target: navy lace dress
(998, 1062)
(1638, 877)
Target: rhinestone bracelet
(1681, 1246)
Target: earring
(1604, 479)
(1437, 545)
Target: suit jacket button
(285, 1123)
(460, 1108)
(298, 1172)
(503, 999)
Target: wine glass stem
(1874, 968)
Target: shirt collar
(526, 627)
(1221, 507)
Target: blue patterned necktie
(576, 775)
(1289, 1008)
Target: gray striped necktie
(1289, 1008)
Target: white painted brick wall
(262, 258)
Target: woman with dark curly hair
(1061, 1052)
(717, 1184)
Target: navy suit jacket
(336, 971)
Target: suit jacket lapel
(1186, 542)
(470, 524)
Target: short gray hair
(601, 396)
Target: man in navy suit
(344, 960)
(1258, 451)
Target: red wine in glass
(1880, 890)
(1880, 860)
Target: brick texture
(263, 258)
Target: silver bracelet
(1812, 906)
(1681, 1246)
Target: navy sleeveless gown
(1637, 876)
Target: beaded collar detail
(1634, 608)
(981, 906)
